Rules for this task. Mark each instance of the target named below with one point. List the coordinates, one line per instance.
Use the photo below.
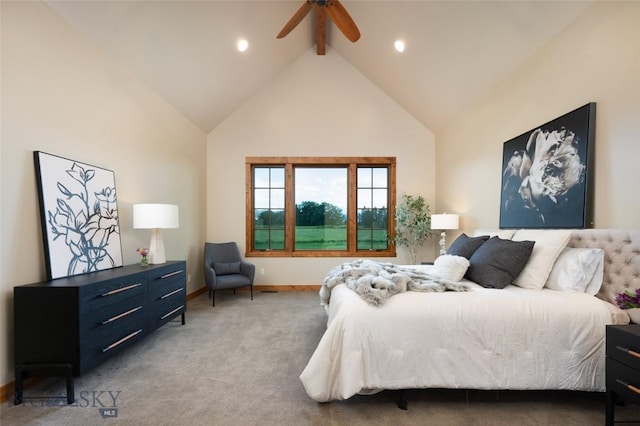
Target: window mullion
(391, 207)
(290, 209)
(352, 207)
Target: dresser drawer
(173, 272)
(167, 309)
(175, 292)
(162, 289)
(623, 345)
(105, 322)
(624, 381)
(111, 291)
(95, 351)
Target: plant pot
(634, 314)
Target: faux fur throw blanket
(376, 282)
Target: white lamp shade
(444, 221)
(149, 216)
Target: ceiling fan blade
(342, 20)
(295, 19)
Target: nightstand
(622, 367)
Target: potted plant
(413, 224)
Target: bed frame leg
(402, 399)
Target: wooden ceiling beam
(321, 30)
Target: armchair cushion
(226, 268)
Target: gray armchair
(224, 269)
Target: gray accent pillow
(497, 262)
(226, 268)
(465, 245)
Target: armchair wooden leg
(213, 298)
(251, 286)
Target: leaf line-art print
(81, 214)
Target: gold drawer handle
(172, 312)
(119, 290)
(124, 314)
(628, 386)
(171, 274)
(124, 339)
(629, 351)
(172, 293)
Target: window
(373, 202)
(320, 206)
(269, 208)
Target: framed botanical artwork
(547, 174)
(79, 214)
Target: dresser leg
(71, 396)
(18, 386)
(609, 411)
(44, 370)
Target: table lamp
(442, 222)
(155, 217)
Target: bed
(518, 337)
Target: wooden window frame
(289, 163)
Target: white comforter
(511, 338)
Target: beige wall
(319, 106)
(596, 59)
(63, 95)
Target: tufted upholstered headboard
(621, 258)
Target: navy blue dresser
(67, 326)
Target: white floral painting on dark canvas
(547, 174)
(79, 213)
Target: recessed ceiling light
(399, 45)
(242, 45)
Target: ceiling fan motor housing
(337, 13)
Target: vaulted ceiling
(186, 50)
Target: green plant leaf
(413, 224)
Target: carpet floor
(238, 364)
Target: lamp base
(443, 244)
(156, 247)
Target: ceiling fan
(336, 12)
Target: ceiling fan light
(399, 45)
(242, 45)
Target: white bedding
(511, 338)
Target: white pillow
(578, 270)
(450, 267)
(548, 245)
(505, 234)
